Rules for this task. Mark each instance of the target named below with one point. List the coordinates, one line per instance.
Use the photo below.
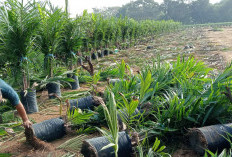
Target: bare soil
(222, 38)
(185, 153)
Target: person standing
(7, 92)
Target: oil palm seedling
(48, 41)
(71, 42)
(49, 35)
(145, 90)
(161, 75)
(108, 28)
(110, 111)
(95, 37)
(18, 26)
(132, 29)
(77, 117)
(113, 35)
(19, 21)
(93, 84)
(194, 102)
(128, 87)
(117, 34)
(122, 67)
(87, 24)
(156, 150)
(109, 72)
(124, 30)
(54, 83)
(224, 153)
(128, 111)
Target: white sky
(77, 6)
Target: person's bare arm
(9, 93)
(23, 115)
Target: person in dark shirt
(7, 92)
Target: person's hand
(27, 124)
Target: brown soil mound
(36, 143)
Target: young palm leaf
(110, 112)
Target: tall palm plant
(18, 22)
(49, 34)
(98, 33)
(124, 29)
(87, 25)
(117, 34)
(48, 40)
(70, 41)
(66, 7)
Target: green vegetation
(159, 101)
(110, 111)
(185, 11)
(50, 39)
(5, 155)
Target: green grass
(226, 49)
(217, 29)
(5, 155)
(210, 24)
(2, 132)
(8, 117)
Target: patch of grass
(5, 107)
(5, 155)
(226, 49)
(18, 129)
(8, 117)
(216, 29)
(2, 132)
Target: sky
(77, 6)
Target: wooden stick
(90, 69)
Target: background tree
(224, 10)
(176, 10)
(140, 10)
(200, 11)
(185, 11)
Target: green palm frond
(18, 22)
(110, 111)
(49, 33)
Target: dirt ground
(212, 47)
(222, 38)
(49, 109)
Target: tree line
(185, 11)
